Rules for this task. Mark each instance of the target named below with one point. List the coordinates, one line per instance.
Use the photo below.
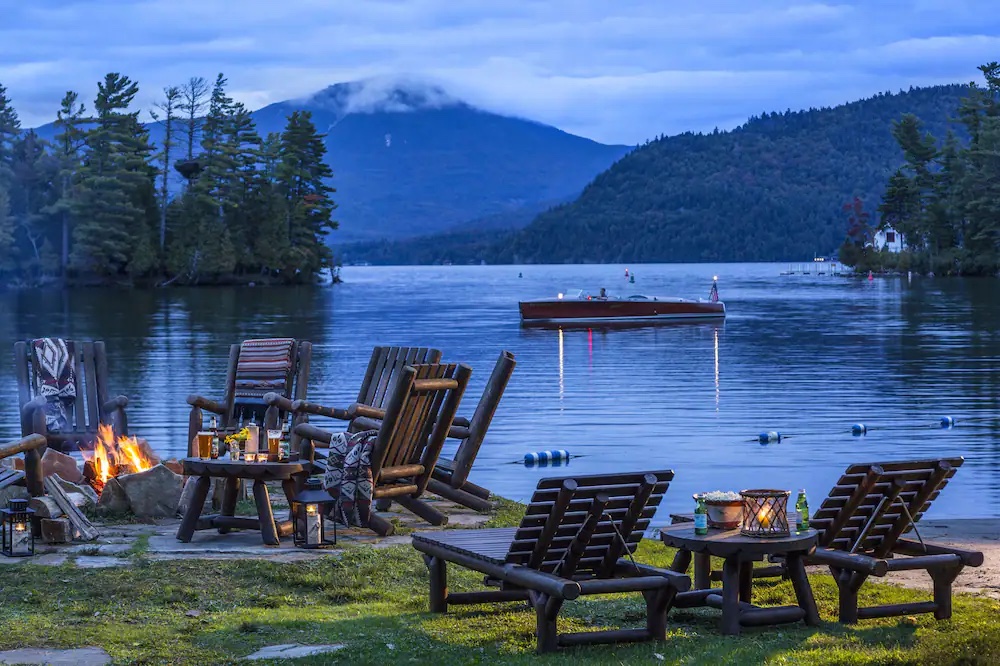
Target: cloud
(618, 71)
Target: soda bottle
(802, 511)
(701, 517)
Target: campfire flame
(112, 457)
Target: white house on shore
(888, 239)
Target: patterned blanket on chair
(349, 476)
(55, 379)
(263, 366)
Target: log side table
(739, 553)
(291, 475)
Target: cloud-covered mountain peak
(386, 94)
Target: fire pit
(129, 476)
(112, 458)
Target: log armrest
(679, 581)
(36, 403)
(461, 421)
(303, 407)
(206, 404)
(970, 558)
(115, 403)
(29, 443)
(311, 432)
(851, 561)
(279, 401)
(357, 409)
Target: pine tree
(301, 181)
(169, 107)
(10, 127)
(112, 236)
(68, 143)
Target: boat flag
(714, 294)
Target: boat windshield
(572, 294)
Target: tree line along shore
(209, 202)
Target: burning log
(116, 457)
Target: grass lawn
(375, 602)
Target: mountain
(770, 190)
(410, 159)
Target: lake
(804, 355)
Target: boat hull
(619, 310)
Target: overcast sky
(613, 70)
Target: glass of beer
(204, 443)
(273, 442)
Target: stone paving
(123, 544)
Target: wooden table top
(224, 467)
(723, 543)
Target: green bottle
(802, 511)
(701, 517)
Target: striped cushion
(264, 366)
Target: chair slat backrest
(90, 382)
(384, 365)
(615, 506)
(290, 382)
(864, 511)
(419, 413)
(468, 449)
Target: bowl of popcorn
(725, 509)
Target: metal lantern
(15, 522)
(312, 525)
(765, 513)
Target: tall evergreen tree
(112, 237)
(301, 181)
(169, 107)
(10, 127)
(68, 142)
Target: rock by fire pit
(153, 493)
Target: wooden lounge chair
(451, 477)
(573, 540)
(240, 403)
(91, 407)
(861, 523)
(383, 367)
(419, 412)
(32, 447)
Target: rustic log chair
(32, 447)
(383, 366)
(451, 477)
(421, 406)
(91, 407)
(861, 523)
(573, 540)
(232, 415)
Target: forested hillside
(773, 189)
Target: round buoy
(769, 436)
(632, 278)
(520, 275)
(947, 421)
(859, 429)
(545, 457)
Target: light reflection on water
(807, 356)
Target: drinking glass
(205, 443)
(273, 441)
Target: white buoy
(769, 436)
(859, 429)
(947, 422)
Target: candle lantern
(15, 523)
(312, 525)
(765, 513)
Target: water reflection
(807, 356)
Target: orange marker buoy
(870, 276)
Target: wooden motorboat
(581, 306)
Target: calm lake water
(806, 356)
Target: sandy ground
(982, 534)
